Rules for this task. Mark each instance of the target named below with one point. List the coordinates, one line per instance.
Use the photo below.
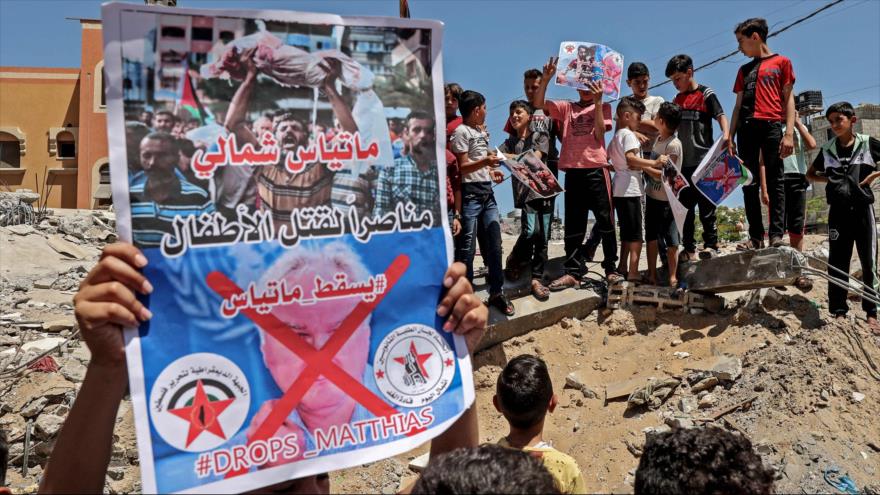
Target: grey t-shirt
(475, 143)
(652, 105)
(670, 147)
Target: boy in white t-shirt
(628, 185)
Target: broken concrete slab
(771, 267)
(59, 324)
(419, 463)
(624, 388)
(22, 229)
(66, 248)
(42, 345)
(532, 314)
(723, 368)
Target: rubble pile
(42, 360)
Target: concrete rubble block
(66, 248)
(42, 345)
(576, 380)
(25, 196)
(707, 383)
(771, 267)
(34, 407)
(727, 368)
(708, 401)
(687, 404)
(51, 386)
(59, 324)
(22, 229)
(419, 463)
(50, 422)
(45, 283)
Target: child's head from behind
(841, 116)
(637, 78)
(668, 118)
(524, 392)
(485, 469)
(472, 106)
(680, 69)
(520, 111)
(629, 112)
(701, 460)
(751, 34)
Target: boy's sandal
(540, 291)
(679, 290)
(750, 245)
(566, 281)
(613, 278)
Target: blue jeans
(481, 223)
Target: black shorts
(629, 218)
(660, 223)
(795, 203)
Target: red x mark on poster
(318, 362)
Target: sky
(488, 44)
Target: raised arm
(809, 140)
(236, 115)
(599, 112)
(340, 107)
(104, 304)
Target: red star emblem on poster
(202, 414)
(448, 362)
(380, 374)
(420, 358)
(569, 48)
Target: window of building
(227, 36)
(10, 151)
(173, 32)
(202, 34)
(66, 146)
(103, 86)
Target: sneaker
(776, 242)
(501, 303)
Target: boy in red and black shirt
(699, 106)
(764, 103)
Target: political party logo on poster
(199, 401)
(413, 365)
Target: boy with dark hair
(583, 158)
(764, 107)
(659, 220)
(531, 245)
(524, 395)
(848, 165)
(480, 218)
(701, 460)
(451, 94)
(486, 469)
(629, 185)
(699, 106)
(539, 123)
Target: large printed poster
(720, 173)
(295, 237)
(581, 63)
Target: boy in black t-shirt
(699, 106)
(848, 164)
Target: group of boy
(657, 141)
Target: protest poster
(720, 173)
(581, 63)
(533, 179)
(673, 184)
(296, 277)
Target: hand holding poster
(673, 184)
(532, 177)
(296, 271)
(581, 63)
(720, 173)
